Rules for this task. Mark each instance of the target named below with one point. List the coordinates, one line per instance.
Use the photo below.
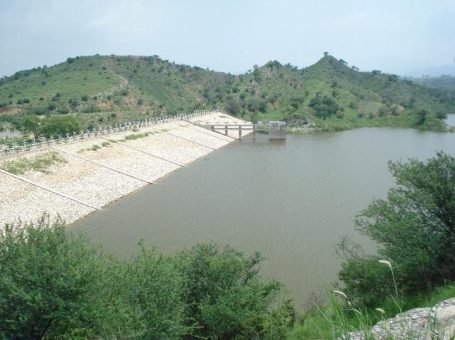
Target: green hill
(99, 90)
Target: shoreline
(101, 170)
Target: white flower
(380, 310)
(386, 263)
(341, 293)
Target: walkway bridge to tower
(274, 129)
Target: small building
(277, 130)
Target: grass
(96, 147)
(135, 136)
(39, 163)
(338, 317)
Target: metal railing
(37, 144)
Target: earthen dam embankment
(91, 173)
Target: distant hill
(435, 71)
(442, 82)
(329, 95)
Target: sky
(394, 36)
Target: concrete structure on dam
(93, 172)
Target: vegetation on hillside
(442, 82)
(329, 95)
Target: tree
(421, 117)
(233, 107)
(54, 284)
(31, 124)
(49, 283)
(59, 125)
(225, 297)
(415, 225)
(343, 62)
(154, 288)
(323, 106)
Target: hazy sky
(395, 36)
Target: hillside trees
(76, 86)
(324, 106)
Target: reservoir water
(292, 201)
(451, 119)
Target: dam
(91, 172)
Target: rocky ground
(429, 323)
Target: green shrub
(324, 106)
(48, 283)
(59, 125)
(366, 281)
(54, 284)
(223, 294)
(155, 289)
(233, 107)
(414, 228)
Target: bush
(223, 294)
(40, 110)
(324, 106)
(414, 227)
(63, 110)
(233, 107)
(56, 285)
(48, 283)
(155, 290)
(59, 125)
(367, 282)
(23, 101)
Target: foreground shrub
(226, 298)
(54, 284)
(366, 281)
(48, 283)
(414, 227)
(155, 291)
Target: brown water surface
(291, 200)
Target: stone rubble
(437, 322)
